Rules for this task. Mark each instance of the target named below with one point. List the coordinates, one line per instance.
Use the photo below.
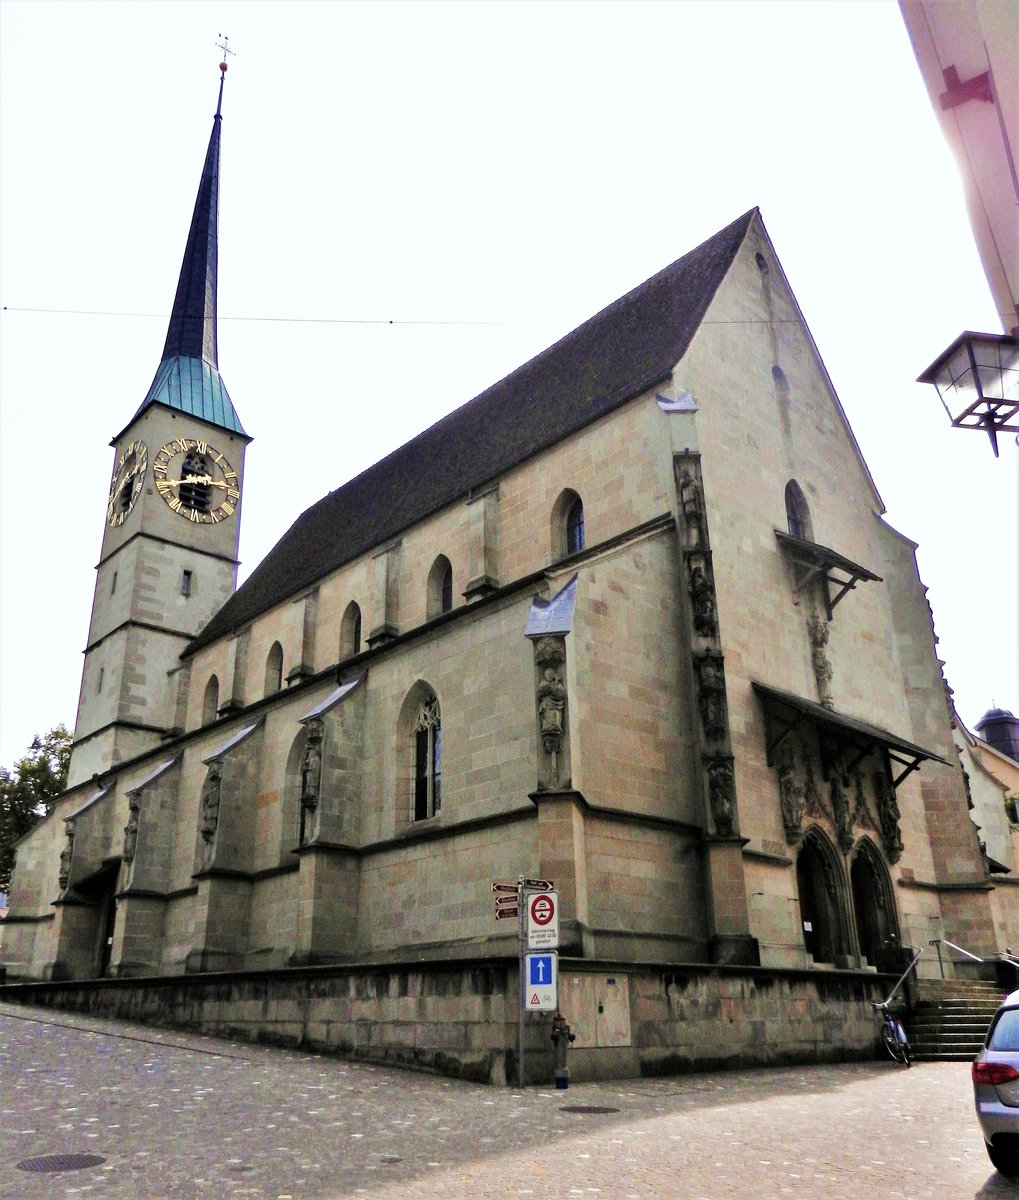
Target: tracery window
(427, 760)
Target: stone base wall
(460, 1018)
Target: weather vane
(224, 45)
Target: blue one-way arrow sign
(542, 978)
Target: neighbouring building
(630, 621)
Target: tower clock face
(127, 482)
(196, 481)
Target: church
(629, 621)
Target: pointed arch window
(274, 669)
(440, 587)
(350, 631)
(797, 512)
(575, 527)
(210, 701)
(427, 759)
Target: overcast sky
(416, 198)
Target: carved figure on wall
(813, 804)
(863, 814)
(551, 706)
(888, 814)
(550, 698)
(722, 793)
(841, 803)
(703, 600)
(210, 801)
(819, 634)
(711, 694)
(311, 763)
(790, 794)
(691, 500)
(66, 855)
(131, 832)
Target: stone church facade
(630, 621)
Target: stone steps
(951, 1017)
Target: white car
(995, 1074)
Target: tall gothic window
(427, 760)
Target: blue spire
(188, 377)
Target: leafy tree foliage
(27, 790)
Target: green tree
(27, 791)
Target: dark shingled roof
(611, 358)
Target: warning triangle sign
(535, 1000)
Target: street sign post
(535, 904)
(542, 976)
(543, 921)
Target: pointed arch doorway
(872, 907)
(816, 883)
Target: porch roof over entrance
(784, 712)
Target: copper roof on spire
(188, 378)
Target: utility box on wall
(597, 1008)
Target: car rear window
(1005, 1034)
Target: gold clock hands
(204, 480)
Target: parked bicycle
(893, 1033)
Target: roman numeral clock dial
(196, 481)
(127, 482)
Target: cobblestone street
(180, 1117)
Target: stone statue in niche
(66, 855)
(311, 777)
(691, 502)
(888, 815)
(790, 794)
(840, 802)
(210, 802)
(551, 706)
(722, 793)
(819, 634)
(702, 597)
(550, 699)
(131, 832)
(711, 694)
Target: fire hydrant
(561, 1038)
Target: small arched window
(575, 527)
(274, 669)
(797, 512)
(427, 759)
(350, 632)
(210, 701)
(440, 587)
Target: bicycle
(893, 1033)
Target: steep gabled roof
(625, 349)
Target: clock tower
(172, 523)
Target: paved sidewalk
(182, 1117)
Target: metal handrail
(953, 946)
(903, 976)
